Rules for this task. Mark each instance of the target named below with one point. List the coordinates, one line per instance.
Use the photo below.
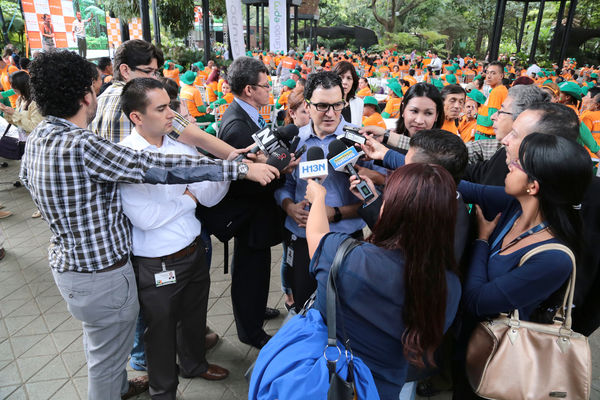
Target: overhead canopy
(363, 37)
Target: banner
(236, 28)
(278, 25)
(59, 22)
(113, 28)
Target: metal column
(206, 29)
(522, 30)
(498, 22)
(145, 16)
(288, 25)
(568, 26)
(248, 27)
(536, 33)
(262, 31)
(256, 37)
(559, 18)
(296, 26)
(156, 22)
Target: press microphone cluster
(267, 140)
(343, 158)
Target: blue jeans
(138, 353)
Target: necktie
(261, 122)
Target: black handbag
(10, 147)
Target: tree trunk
(478, 41)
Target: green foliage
(11, 9)
(218, 9)
(126, 9)
(183, 55)
(97, 43)
(403, 41)
(177, 16)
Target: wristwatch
(242, 170)
(337, 217)
(386, 136)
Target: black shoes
(271, 313)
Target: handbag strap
(567, 303)
(345, 247)
(6, 130)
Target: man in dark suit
(263, 219)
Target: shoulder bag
(510, 359)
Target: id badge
(165, 278)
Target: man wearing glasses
(261, 227)
(325, 101)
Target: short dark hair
(556, 119)
(244, 71)
(170, 86)
(497, 64)
(594, 92)
(344, 66)
(436, 146)
(452, 89)
(136, 52)
(104, 62)
(59, 80)
(24, 62)
(134, 96)
(324, 79)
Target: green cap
(547, 81)
(199, 64)
(476, 96)
(249, 53)
(7, 93)
(395, 53)
(477, 77)
(290, 83)
(372, 101)
(395, 87)
(571, 88)
(451, 79)
(451, 68)
(296, 72)
(166, 66)
(584, 90)
(189, 77)
(594, 75)
(541, 74)
(437, 83)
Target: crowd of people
(135, 162)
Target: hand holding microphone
(343, 158)
(267, 140)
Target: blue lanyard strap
(508, 226)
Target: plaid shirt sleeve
(482, 150)
(105, 161)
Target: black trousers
(250, 275)
(82, 47)
(303, 284)
(175, 317)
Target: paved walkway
(41, 353)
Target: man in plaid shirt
(72, 175)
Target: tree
(398, 10)
(177, 16)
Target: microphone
(351, 136)
(279, 158)
(268, 140)
(343, 158)
(315, 166)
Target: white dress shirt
(163, 218)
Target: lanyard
(508, 226)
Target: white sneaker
(36, 214)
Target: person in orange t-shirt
(193, 99)
(171, 71)
(454, 101)
(494, 75)
(468, 122)
(371, 115)
(363, 88)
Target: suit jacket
(264, 226)
(490, 172)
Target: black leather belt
(116, 265)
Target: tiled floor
(41, 353)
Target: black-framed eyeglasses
(324, 107)
(151, 71)
(265, 86)
(500, 112)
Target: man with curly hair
(72, 175)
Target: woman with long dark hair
(397, 291)
(422, 108)
(353, 112)
(539, 204)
